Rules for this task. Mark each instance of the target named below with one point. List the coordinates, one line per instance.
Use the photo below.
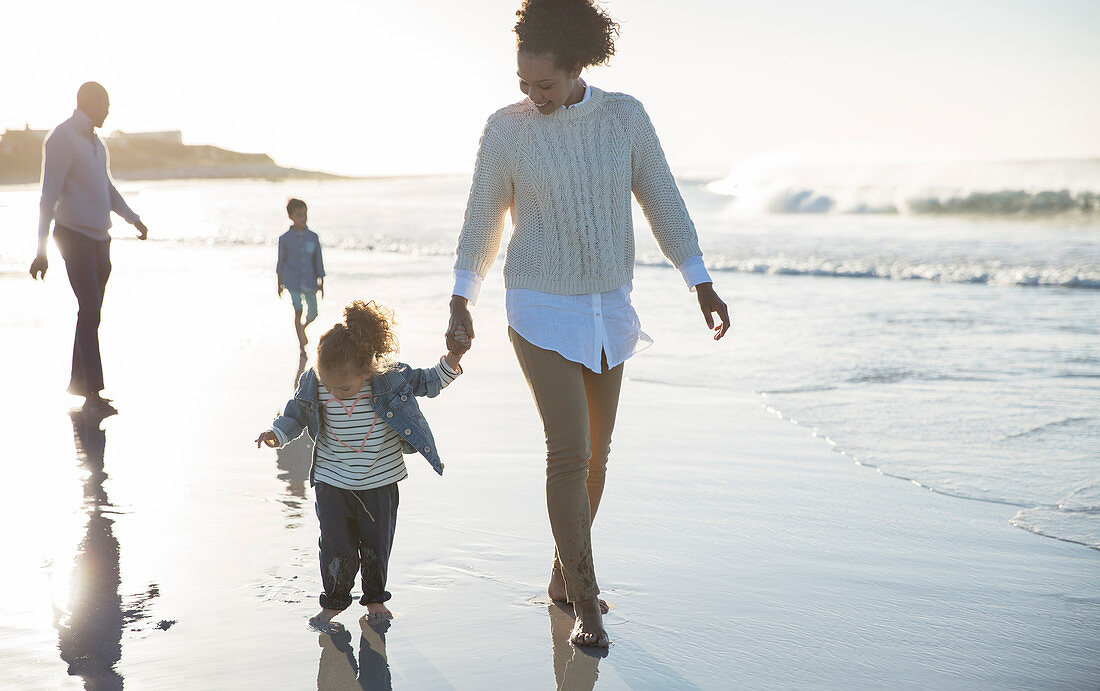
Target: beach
(737, 548)
(885, 473)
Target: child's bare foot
(556, 589)
(377, 611)
(322, 621)
(588, 629)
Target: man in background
(78, 197)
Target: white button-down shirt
(581, 328)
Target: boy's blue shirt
(300, 264)
(393, 397)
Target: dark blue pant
(88, 263)
(356, 535)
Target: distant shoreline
(183, 174)
(150, 156)
(223, 174)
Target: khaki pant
(577, 407)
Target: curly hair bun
(368, 337)
(575, 32)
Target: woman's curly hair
(367, 338)
(575, 32)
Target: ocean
(937, 323)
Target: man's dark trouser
(357, 529)
(88, 263)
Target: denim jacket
(394, 399)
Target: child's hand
(461, 341)
(268, 438)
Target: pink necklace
(349, 411)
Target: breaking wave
(1014, 189)
(998, 203)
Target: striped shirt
(357, 449)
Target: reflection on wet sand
(575, 667)
(89, 630)
(338, 669)
(293, 462)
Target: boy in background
(299, 269)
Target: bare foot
(588, 629)
(556, 589)
(377, 611)
(322, 621)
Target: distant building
(18, 141)
(173, 137)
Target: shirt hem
(585, 287)
(320, 481)
(98, 235)
(581, 362)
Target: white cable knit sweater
(567, 179)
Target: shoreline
(835, 447)
(786, 553)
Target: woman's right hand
(460, 328)
(268, 438)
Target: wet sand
(161, 549)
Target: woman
(565, 160)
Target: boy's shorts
(310, 298)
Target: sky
(371, 88)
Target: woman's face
(548, 86)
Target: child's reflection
(293, 461)
(338, 668)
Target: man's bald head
(91, 98)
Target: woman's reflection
(575, 667)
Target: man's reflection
(339, 670)
(575, 667)
(89, 634)
(89, 631)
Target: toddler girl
(359, 407)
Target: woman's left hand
(710, 303)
